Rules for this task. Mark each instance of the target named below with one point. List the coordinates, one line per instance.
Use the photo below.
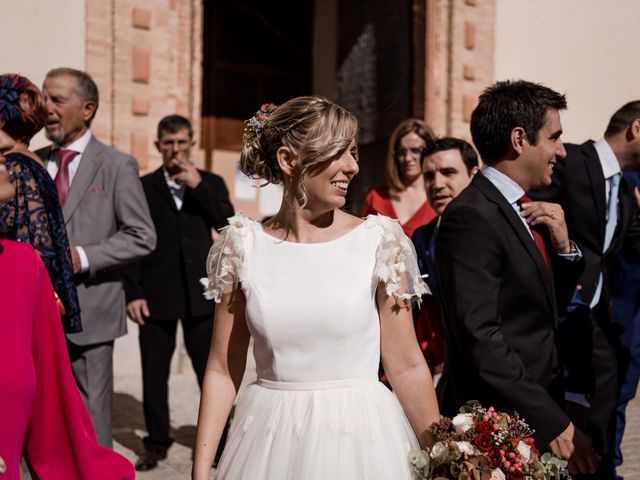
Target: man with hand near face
(108, 224)
(448, 166)
(185, 203)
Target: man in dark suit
(108, 224)
(448, 166)
(625, 301)
(497, 254)
(601, 216)
(185, 203)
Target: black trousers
(157, 344)
(601, 417)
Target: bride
(323, 294)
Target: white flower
(525, 451)
(466, 448)
(419, 458)
(463, 422)
(439, 452)
(497, 475)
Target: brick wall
(145, 58)
(459, 59)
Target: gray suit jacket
(106, 213)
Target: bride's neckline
(288, 242)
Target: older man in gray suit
(108, 224)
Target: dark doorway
(255, 52)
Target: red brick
(141, 59)
(140, 106)
(469, 35)
(468, 72)
(140, 147)
(141, 18)
(468, 104)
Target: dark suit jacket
(428, 317)
(578, 184)
(169, 278)
(424, 242)
(500, 307)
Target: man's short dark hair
(87, 89)
(623, 118)
(173, 124)
(467, 152)
(507, 105)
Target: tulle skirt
(342, 430)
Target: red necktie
(542, 248)
(62, 180)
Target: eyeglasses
(415, 151)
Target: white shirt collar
(79, 145)
(608, 160)
(505, 185)
(170, 182)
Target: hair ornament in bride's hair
(255, 125)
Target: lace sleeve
(225, 262)
(396, 263)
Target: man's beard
(55, 138)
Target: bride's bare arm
(225, 368)
(405, 365)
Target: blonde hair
(410, 125)
(315, 129)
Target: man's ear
(474, 170)
(633, 131)
(88, 110)
(286, 161)
(157, 144)
(518, 139)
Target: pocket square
(96, 189)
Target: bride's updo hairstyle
(315, 129)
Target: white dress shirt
(52, 167)
(177, 189)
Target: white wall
(587, 49)
(40, 35)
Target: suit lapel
(87, 169)
(162, 189)
(494, 196)
(598, 190)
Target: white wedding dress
(317, 410)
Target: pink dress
(41, 411)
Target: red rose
(495, 458)
(515, 475)
(484, 441)
(484, 427)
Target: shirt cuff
(84, 261)
(579, 398)
(574, 255)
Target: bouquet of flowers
(482, 444)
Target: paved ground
(184, 397)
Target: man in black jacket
(185, 203)
(601, 216)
